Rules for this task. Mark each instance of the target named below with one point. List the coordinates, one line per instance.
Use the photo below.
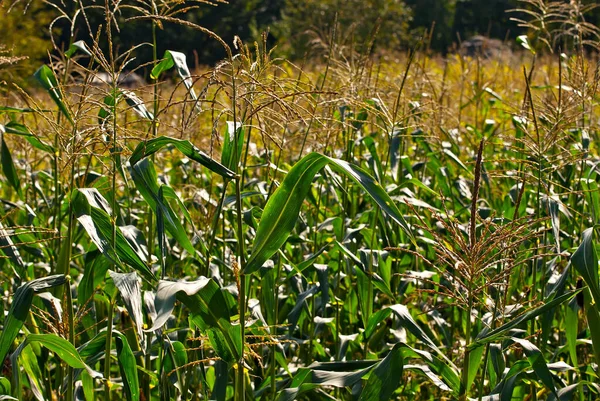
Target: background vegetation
(295, 27)
(360, 221)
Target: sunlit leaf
(281, 211)
(19, 309)
(46, 78)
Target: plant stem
(70, 389)
(108, 345)
(240, 384)
(274, 328)
(464, 391)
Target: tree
(357, 22)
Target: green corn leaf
(486, 336)
(307, 379)
(9, 109)
(385, 378)
(571, 329)
(4, 386)
(8, 166)
(19, 309)
(510, 383)
(591, 191)
(93, 348)
(371, 145)
(455, 158)
(146, 181)
(571, 392)
(106, 110)
(87, 383)
(8, 248)
(128, 367)
(32, 371)
(585, 260)
(61, 347)
(177, 357)
(207, 303)
(129, 287)
(172, 58)
(21, 130)
(552, 205)
(282, 208)
(78, 46)
(169, 193)
(152, 146)
(136, 239)
(137, 104)
(524, 41)
(475, 360)
(402, 313)
(90, 207)
(46, 78)
(160, 230)
(537, 362)
(365, 295)
(593, 320)
(233, 144)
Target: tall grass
(361, 227)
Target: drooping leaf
(172, 58)
(8, 166)
(282, 208)
(307, 379)
(7, 246)
(61, 347)
(385, 378)
(152, 146)
(486, 336)
(21, 130)
(538, 363)
(19, 309)
(129, 287)
(585, 260)
(90, 208)
(206, 302)
(78, 46)
(146, 181)
(524, 41)
(128, 367)
(46, 78)
(137, 104)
